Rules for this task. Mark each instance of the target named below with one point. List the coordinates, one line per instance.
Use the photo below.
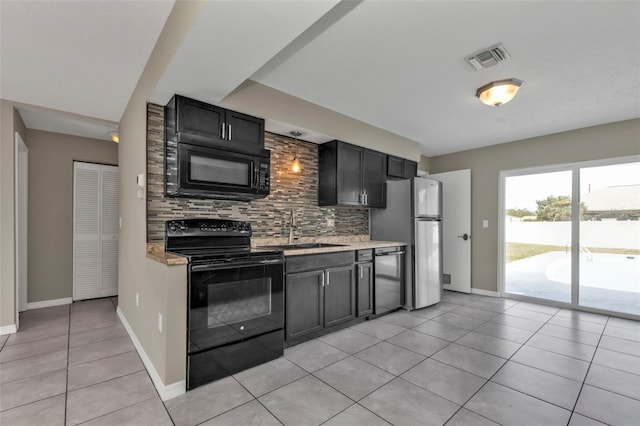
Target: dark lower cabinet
(305, 303)
(339, 296)
(320, 294)
(364, 278)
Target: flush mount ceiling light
(499, 92)
(114, 136)
(295, 165)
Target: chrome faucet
(292, 226)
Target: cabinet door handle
(224, 127)
(361, 269)
(327, 279)
(322, 279)
(229, 131)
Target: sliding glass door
(609, 264)
(571, 235)
(537, 231)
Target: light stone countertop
(348, 246)
(155, 251)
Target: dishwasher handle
(391, 253)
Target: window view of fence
(538, 237)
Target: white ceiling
(396, 65)
(83, 57)
(400, 66)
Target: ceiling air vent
(488, 57)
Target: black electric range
(235, 314)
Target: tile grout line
(255, 398)
(115, 378)
(111, 412)
(498, 370)
(66, 385)
(586, 375)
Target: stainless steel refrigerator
(414, 215)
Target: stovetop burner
(213, 240)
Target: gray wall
(50, 224)
(599, 142)
(159, 286)
(10, 122)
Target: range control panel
(212, 227)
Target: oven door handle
(229, 265)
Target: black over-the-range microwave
(203, 160)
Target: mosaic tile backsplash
(268, 216)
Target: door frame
(574, 167)
(450, 238)
(21, 202)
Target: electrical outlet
(160, 322)
(137, 300)
(485, 223)
(331, 223)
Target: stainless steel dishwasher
(389, 279)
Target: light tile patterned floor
(470, 360)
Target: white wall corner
(482, 292)
(49, 303)
(8, 329)
(166, 392)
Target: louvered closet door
(95, 231)
(109, 226)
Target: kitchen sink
(302, 246)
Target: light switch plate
(485, 223)
(331, 223)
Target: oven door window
(238, 301)
(232, 304)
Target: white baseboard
(482, 292)
(8, 329)
(166, 391)
(49, 303)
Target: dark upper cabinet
(198, 118)
(410, 169)
(350, 175)
(204, 124)
(374, 182)
(243, 129)
(339, 296)
(399, 168)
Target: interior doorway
(95, 230)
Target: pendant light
(499, 92)
(295, 165)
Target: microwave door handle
(255, 177)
